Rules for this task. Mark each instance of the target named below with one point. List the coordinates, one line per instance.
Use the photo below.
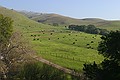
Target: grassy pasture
(70, 49)
(67, 48)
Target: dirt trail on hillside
(68, 71)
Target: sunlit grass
(67, 48)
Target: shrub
(37, 71)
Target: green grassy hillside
(67, 48)
(63, 20)
(20, 21)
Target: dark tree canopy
(110, 45)
(88, 29)
(109, 69)
(91, 71)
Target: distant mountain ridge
(64, 20)
(57, 18)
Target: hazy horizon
(107, 10)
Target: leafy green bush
(6, 28)
(37, 71)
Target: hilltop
(64, 20)
(56, 18)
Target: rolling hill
(21, 22)
(56, 44)
(63, 20)
(56, 18)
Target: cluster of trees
(109, 68)
(88, 29)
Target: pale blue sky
(105, 9)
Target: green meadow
(70, 49)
